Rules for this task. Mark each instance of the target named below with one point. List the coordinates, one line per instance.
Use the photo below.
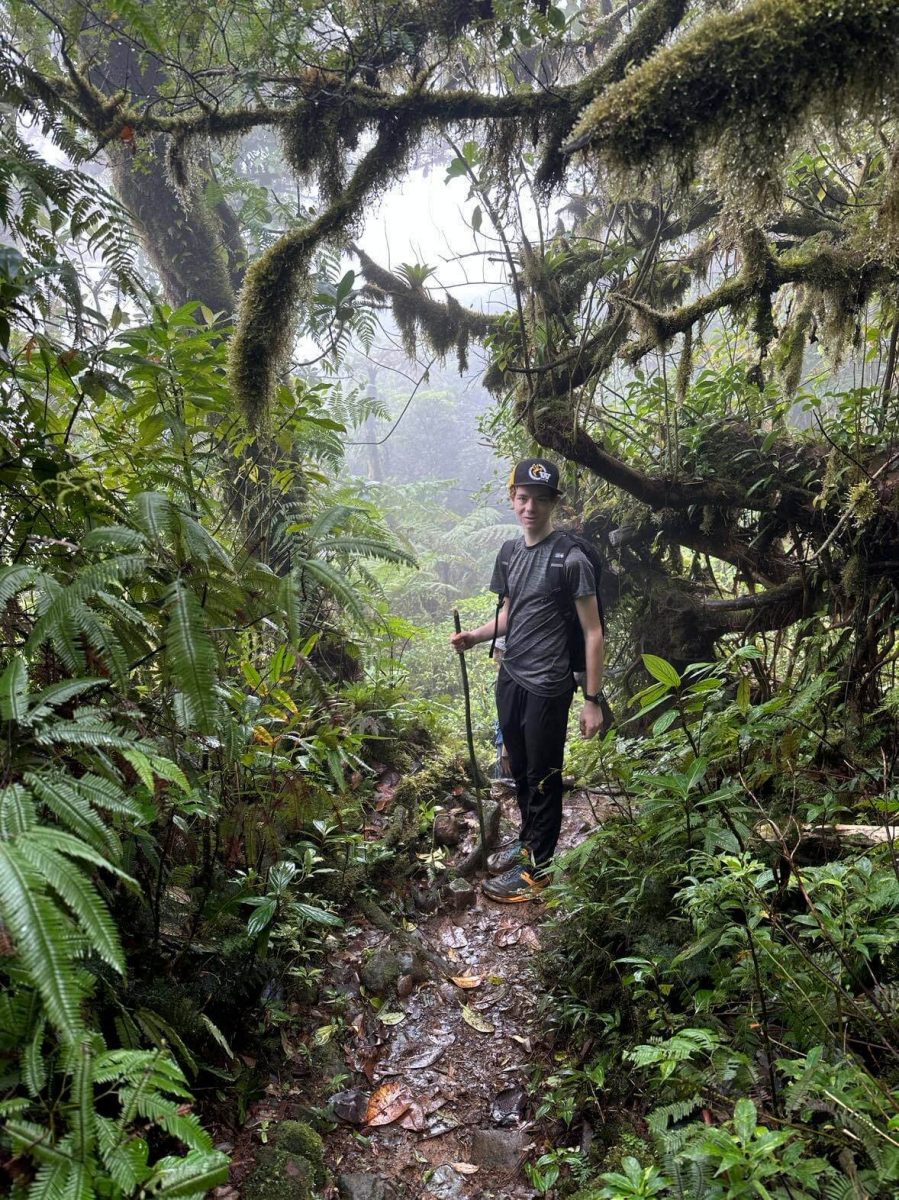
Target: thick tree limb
(700, 87)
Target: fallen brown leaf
(467, 981)
(387, 1104)
(507, 935)
(414, 1118)
(475, 1020)
(465, 1168)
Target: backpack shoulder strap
(505, 558)
(555, 569)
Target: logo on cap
(539, 473)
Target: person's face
(533, 507)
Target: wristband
(595, 698)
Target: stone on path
(446, 1184)
(460, 895)
(498, 1149)
(357, 1185)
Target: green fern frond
(118, 537)
(338, 585)
(40, 932)
(72, 810)
(17, 811)
(14, 690)
(50, 1182)
(38, 1140)
(194, 544)
(64, 614)
(155, 516)
(61, 693)
(191, 657)
(15, 579)
(660, 1118)
(369, 547)
(193, 1175)
(126, 1161)
(34, 1063)
(82, 899)
(86, 731)
(104, 793)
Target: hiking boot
(514, 854)
(515, 887)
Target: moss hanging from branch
(275, 282)
(747, 77)
(652, 26)
(444, 325)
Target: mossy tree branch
(275, 281)
(769, 64)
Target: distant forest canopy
(691, 191)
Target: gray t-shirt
(536, 643)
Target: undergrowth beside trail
(720, 970)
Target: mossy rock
(292, 1168)
(296, 1137)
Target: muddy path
(428, 1077)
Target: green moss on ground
(291, 1168)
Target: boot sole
(514, 899)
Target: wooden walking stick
(475, 769)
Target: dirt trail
(433, 1104)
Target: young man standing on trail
(535, 685)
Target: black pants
(534, 729)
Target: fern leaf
(40, 932)
(155, 516)
(98, 735)
(34, 1064)
(64, 602)
(61, 693)
(126, 1162)
(338, 585)
(13, 580)
(103, 793)
(72, 810)
(83, 1118)
(38, 1141)
(65, 843)
(191, 656)
(71, 884)
(14, 690)
(16, 810)
(50, 1182)
(119, 537)
(196, 545)
(192, 1175)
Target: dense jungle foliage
(240, 492)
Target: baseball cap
(532, 471)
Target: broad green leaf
(661, 670)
